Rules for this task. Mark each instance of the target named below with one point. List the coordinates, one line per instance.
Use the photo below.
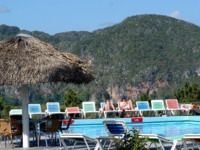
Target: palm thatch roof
(25, 59)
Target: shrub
(131, 141)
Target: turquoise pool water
(165, 126)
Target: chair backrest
(52, 125)
(186, 106)
(53, 107)
(11, 127)
(157, 105)
(142, 105)
(1, 120)
(15, 112)
(172, 104)
(5, 127)
(34, 108)
(88, 106)
(115, 127)
(72, 109)
(102, 104)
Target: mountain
(151, 54)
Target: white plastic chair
(173, 106)
(158, 105)
(35, 109)
(143, 106)
(53, 108)
(89, 107)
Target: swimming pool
(168, 127)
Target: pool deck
(79, 147)
(88, 121)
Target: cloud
(106, 24)
(175, 14)
(4, 9)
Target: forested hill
(146, 53)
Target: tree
(188, 93)
(5, 113)
(4, 109)
(144, 97)
(154, 95)
(71, 99)
(1, 106)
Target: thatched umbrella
(25, 60)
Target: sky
(56, 16)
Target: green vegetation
(132, 141)
(72, 100)
(190, 92)
(149, 52)
(144, 97)
(4, 109)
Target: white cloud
(175, 14)
(4, 9)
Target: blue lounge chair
(118, 128)
(35, 109)
(143, 106)
(53, 108)
(115, 129)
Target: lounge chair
(194, 138)
(172, 107)
(53, 108)
(89, 107)
(118, 128)
(156, 139)
(106, 112)
(101, 106)
(131, 111)
(35, 109)
(15, 114)
(115, 129)
(79, 138)
(186, 109)
(158, 105)
(74, 111)
(143, 106)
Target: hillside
(146, 53)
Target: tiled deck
(57, 147)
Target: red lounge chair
(74, 111)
